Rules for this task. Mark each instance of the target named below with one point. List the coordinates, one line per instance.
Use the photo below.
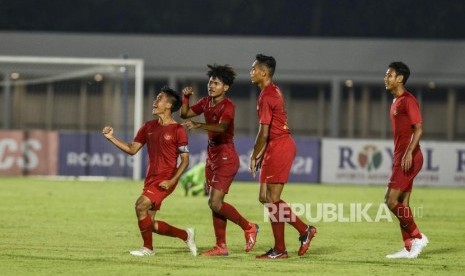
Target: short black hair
(225, 73)
(173, 97)
(401, 69)
(268, 61)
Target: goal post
(68, 93)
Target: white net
(71, 95)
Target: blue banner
(306, 166)
(90, 154)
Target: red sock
(278, 229)
(219, 225)
(407, 239)
(229, 212)
(165, 229)
(145, 226)
(404, 214)
(414, 230)
(292, 219)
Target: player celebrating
(222, 160)
(274, 151)
(166, 140)
(407, 129)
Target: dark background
(413, 19)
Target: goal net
(53, 110)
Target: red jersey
(405, 112)
(271, 111)
(162, 146)
(220, 112)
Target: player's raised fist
(107, 132)
(187, 91)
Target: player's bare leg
(223, 211)
(145, 221)
(414, 241)
(271, 194)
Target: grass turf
(50, 227)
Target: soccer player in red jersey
(407, 130)
(166, 141)
(222, 159)
(274, 151)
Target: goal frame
(138, 65)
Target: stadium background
(331, 57)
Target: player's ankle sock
(146, 226)
(404, 214)
(406, 238)
(278, 234)
(414, 230)
(165, 229)
(229, 212)
(278, 229)
(292, 219)
(408, 244)
(219, 225)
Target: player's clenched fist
(188, 91)
(107, 132)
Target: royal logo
(370, 157)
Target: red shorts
(222, 166)
(154, 192)
(404, 181)
(277, 161)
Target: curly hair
(225, 73)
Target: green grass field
(51, 227)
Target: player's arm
(407, 159)
(186, 111)
(221, 127)
(129, 148)
(181, 168)
(259, 148)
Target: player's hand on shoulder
(107, 131)
(190, 124)
(188, 91)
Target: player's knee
(390, 202)
(138, 208)
(215, 205)
(141, 208)
(272, 199)
(262, 199)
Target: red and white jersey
(222, 112)
(405, 112)
(163, 144)
(272, 111)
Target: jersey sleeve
(141, 136)
(413, 111)
(181, 136)
(228, 113)
(199, 107)
(265, 111)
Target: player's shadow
(440, 251)
(324, 250)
